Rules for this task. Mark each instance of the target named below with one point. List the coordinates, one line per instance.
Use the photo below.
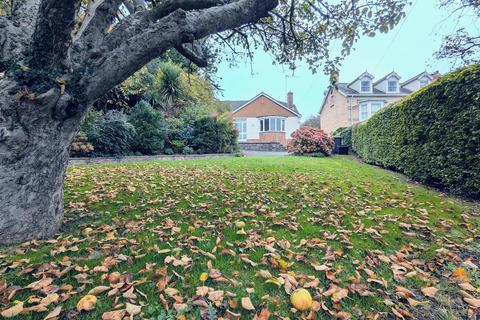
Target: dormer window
(392, 86)
(423, 82)
(365, 86)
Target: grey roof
(393, 73)
(236, 104)
(346, 90)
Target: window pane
(363, 111)
(365, 86)
(279, 124)
(267, 125)
(283, 124)
(392, 86)
(375, 106)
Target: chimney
(436, 75)
(290, 99)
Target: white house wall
(291, 124)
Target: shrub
(113, 136)
(149, 127)
(212, 135)
(433, 136)
(80, 146)
(91, 121)
(169, 151)
(308, 140)
(187, 150)
(345, 133)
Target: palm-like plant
(170, 87)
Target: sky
(407, 49)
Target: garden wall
(433, 136)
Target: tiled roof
(236, 104)
(343, 88)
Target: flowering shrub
(311, 140)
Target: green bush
(149, 127)
(433, 136)
(113, 135)
(212, 135)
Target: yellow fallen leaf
(13, 311)
(247, 304)
(204, 276)
(460, 275)
(87, 303)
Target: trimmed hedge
(433, 136)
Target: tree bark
(34, 144)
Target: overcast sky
(408, 49)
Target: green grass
(312, 211)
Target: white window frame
(388, 85)
(241, 126)
(424, 81)
(275, 124)
(366, 109)
(369, 85)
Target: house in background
(264, 120)
(346, 104)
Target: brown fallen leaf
(54, 314)
(113, 315)
(467, 286)
(13, 311)
(429, 291)
(133, 309)
(263, 315)
(247, 304)
(97, 290)
(49, 299)
(414, 302)
(473, 302)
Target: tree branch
(192, 55)
(52, 37)
(173, 30)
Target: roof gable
(366, 74)
(418, 76)
(388, 76)
(236, 106)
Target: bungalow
(264, 119)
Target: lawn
(144, 238)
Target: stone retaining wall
(76, 161)
(265, 146)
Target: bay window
(369, 108)
(270, 124)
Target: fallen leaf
(247, 304)
(429, 291)
(87, 303)
(13, 311)
(54, 314)
(113, 315)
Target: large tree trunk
(34, 143)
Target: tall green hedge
(433, 136)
